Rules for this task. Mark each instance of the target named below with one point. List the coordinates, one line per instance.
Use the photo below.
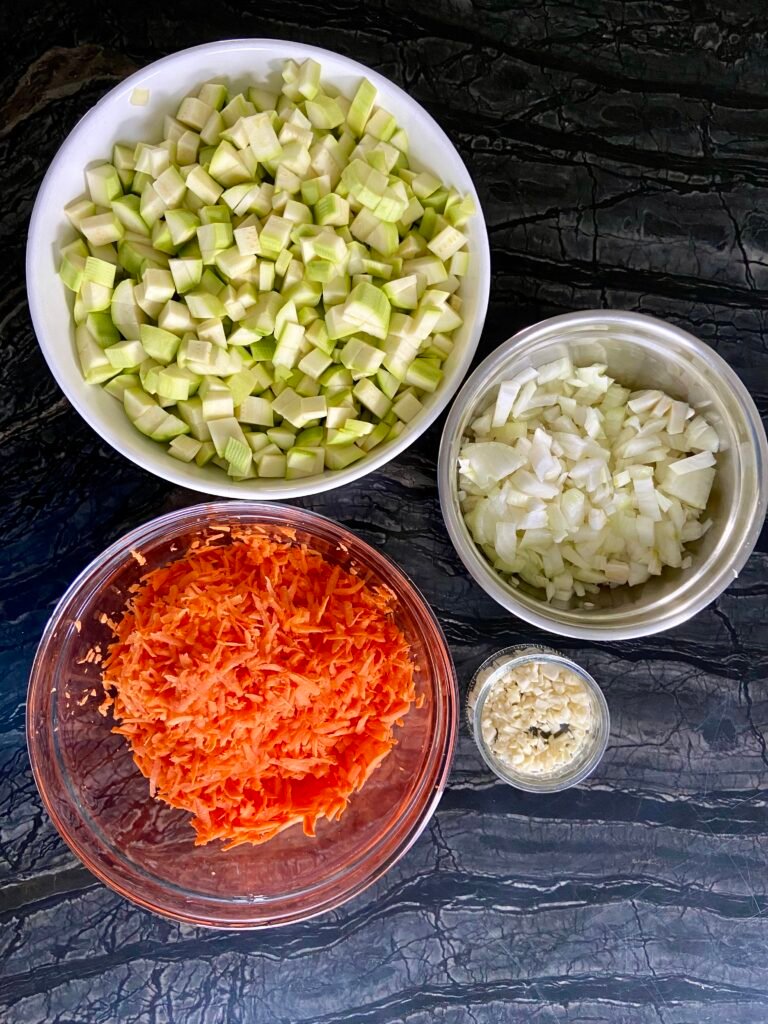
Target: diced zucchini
(118, 385)
(158, 285)
(126, 355)
(304, 462)
(448, 321)
(257, 440)
(186, 274)
(315, 362)
(254, 410)
(343, 456)
(94, 362)
(128, 212)
(283, 437)
(460, 212)
(202, 305)
(102, 330)
(206, 452)
(407, 407)
(176, 383)
(184, 448)
(314, 189)
(315, 306)
(402, 292)
(217, 400)
(188, 146)
(212, 330)
(262, 137)
(159, 344)
(459, 263)
(361, 107)
(223, 430)
(358, 355)
(274, 237)
(332, 210)
(423, 375)
(238, 455)
(73, 259)
(182, 225)
(126, 313)
(227, 166)
(191, 411)
(366, 392)
(194, 112)
(324, 112)
(94, 297)
(201, 184)
(150, 418)
(174, 317)
(102, 228)
(379, 434)
(215, 214)
(368, 309)
(103, 184)
(78, 210)
(446, 243)
(272, 466)
(170, 186)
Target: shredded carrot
(257, 683)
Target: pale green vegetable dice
(272, 262)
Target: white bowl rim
(164, 466)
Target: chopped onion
(701, 461)
(569, 481)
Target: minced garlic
(537, 718)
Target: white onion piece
(486, 464)
(644, 401)
(570, 481)
(678, 414)
(701, 461)
(508, 392)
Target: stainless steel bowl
(640, 352)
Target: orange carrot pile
(257, 683)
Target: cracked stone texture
(620, 153)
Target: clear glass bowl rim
(202, 910)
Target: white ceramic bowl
(115, 119)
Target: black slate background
(621, 153)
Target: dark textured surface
(621, 152)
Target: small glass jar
(588, 755)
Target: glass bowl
(142, 848)
(640, 352)
(589, 757)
